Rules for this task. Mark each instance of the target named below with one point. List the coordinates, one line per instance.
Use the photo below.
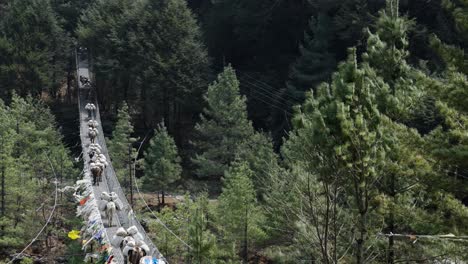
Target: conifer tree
(338, 133)
(316, 63)
(121, 150)
(387, 53)
(191, 224)
(240, 219)
(176, 64)
(31, 144)
(224, 128)
(202, 241)
(150, 53)
(259, 154)
(161, 162)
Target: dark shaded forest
(299, 131)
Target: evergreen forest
(240, 131)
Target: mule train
(134, 250)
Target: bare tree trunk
(245, 253)
(362, 237)
(3, 191)
(361, 203)
(327, 223)
(335, 223)
(391, 222)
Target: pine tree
(387, 53)
(31, 145)
(107, 28)
(338, 135)
(308, 214)
(150, 54)
(202, 241)
(315, 63)
(240, 219)
(161, 162)
(259, 154)
(176, 63)
(176, 221)
(453, 57)
(223, 128)
(191, 224)
(121, 150)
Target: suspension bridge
(123, 218)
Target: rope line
(265, 85)
(269, 95)
(158, 220)
(48, 220)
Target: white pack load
(93, 123)
(116, 241)
(102, 158)
(133, 231)
(121, 232)
(119, 236)
(95, 146)
(94, 165)
(141, 244)
(102, 205)
(105, 196)
(118, 203)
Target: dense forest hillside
(266, 131)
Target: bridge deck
(109, 182)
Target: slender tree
(239, 216)
(223, 128)
(314, 65)
(121, 150)
(203, 242)
(161, 162)
(339, 130)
